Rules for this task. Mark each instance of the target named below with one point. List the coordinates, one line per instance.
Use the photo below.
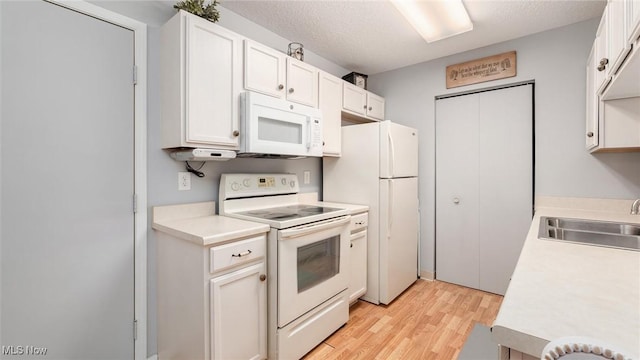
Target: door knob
(236, 132)
(456, 201)
(290, 90)
(370, 108)
(280, 87)
(263, 277)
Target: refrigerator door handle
(390, 205)
(392, 154)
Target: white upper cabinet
(375, 106)
(601, 54)
(201, 81)
(591, 134)
(354, 98)
(271, 72)
(302, 83)
(330, 104)
(362, 103)
(633, 20)
(264, 69)
(618, 46)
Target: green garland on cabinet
(197, 7)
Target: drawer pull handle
(241, 254)
(263, 277)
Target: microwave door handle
(306, 229)
(308, 133)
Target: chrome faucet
(635, 207)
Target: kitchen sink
(591, 232)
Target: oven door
(313, 263)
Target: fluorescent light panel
(435, 19)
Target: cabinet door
(302, 83)
(375, 106)
(591, 134)
(212, 84)
(264, 69)
(358, 258)
(601, 53)
(330, 104)
(354, 99)
(617, 38)
(632, 12)
(239, 314)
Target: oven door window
(318, 262)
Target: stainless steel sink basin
(591, 232)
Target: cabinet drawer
(359, 221)
(227, 256)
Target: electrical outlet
(307, 176)
(184, 180)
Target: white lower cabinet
(358, 257)
(505, 353)
(238, 314)
(212, 300)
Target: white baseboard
(427, 275)
(153, 357)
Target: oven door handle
(315, 227)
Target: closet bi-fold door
(484, 189)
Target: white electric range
(307, 259)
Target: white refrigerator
(379, 168)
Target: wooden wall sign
(480, 70)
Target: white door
(239, 314)
(264, 69)
(302, 83)
(330, 104)
(398, 236)
(214, 70)
(354, 99)
(484, 185)
(67, 221)
(398, 150)
(375, 106)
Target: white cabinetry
(358, 257)
(271, 72)
(330, 104)
(632, 11)
(238, 320)
(264, 69)
(201, 81)
(302, 83)
(212, 299)
(613, 90)
(360, 102)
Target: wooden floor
(430, 320)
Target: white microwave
(271, 127)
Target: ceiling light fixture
(435, 19)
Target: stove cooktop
(289, 212)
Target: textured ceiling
(372, 37)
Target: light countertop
(197, 223)
(563, 289)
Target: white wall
(556, 60)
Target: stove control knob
(235, 186)
(284, 181)
(292, 183)
(246, 182)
